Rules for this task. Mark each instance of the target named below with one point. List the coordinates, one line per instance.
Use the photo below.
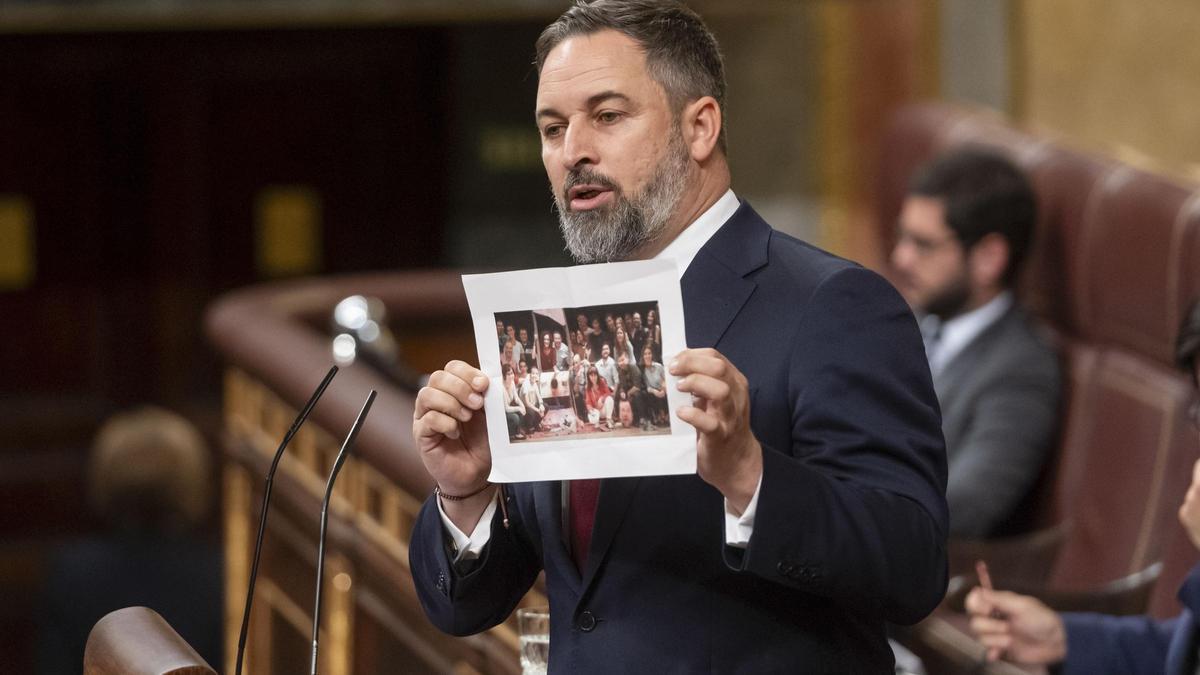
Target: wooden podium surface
(137, 641)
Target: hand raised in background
(1017, 628)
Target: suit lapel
(964, 364)
(547, 497)
(714, 287)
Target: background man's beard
(615, 232)
(951, 300)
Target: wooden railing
(371, 615)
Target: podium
(137, 641)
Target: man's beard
(951, 299)
(617, 231)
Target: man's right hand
(1017, 628)
(451, 434)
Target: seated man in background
(964, 230)
(1021, 629)
(149, 478)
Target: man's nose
(579, 146)
(902, 255)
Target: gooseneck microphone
(266, 504)
(337, 466)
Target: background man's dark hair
(681, 53)
(1187, 345)
(983, 192)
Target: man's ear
(702, 127)
(988, 261)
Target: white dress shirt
(954, 335)
(683, 250)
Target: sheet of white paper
(566, 446)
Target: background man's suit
(1099, 644)
(999, 398)
(851, 520)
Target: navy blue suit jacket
(1099, 644)
(851, 522)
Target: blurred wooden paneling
(1121, 80)
(142, 156)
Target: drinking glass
(534, 624)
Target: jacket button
(441, 583)
(784, 568)
(587, 621)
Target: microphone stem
(266, 505)
(320, 573)
(262, 528)
(333, 474)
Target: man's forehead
(924, 213)
(584, 65)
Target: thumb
(978, 601)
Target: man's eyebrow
(603, 96)
(592, 102)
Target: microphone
(337, 466)
(266, 504)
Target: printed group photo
(581, 371)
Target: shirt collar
(955, 334)
(687, 244)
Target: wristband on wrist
(437, 490)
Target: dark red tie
(584, 494)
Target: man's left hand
(729, 457)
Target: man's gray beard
(617, 231)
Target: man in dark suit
(817, 514)
(963, 233)
(1022, 629)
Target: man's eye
(608, 117)
(552, 131)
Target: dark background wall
(153, 170)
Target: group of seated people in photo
(611, 375)
(523, 404)
(619, 392)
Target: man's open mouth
(588, 196)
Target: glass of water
(534, 624)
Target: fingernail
(479, 381)
(475, 399)
(674, 365)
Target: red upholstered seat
(1115, 263)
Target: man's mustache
(586, 177)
